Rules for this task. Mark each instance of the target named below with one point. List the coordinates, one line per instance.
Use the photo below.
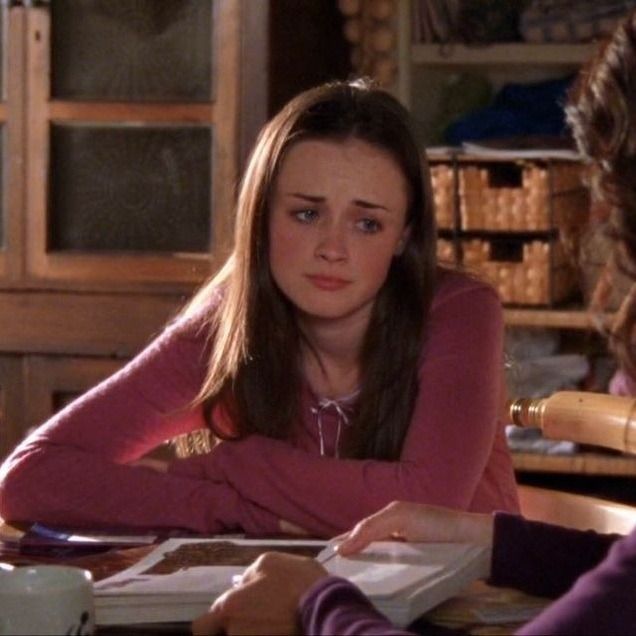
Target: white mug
(46, 599)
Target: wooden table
(479, 609)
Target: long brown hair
(254, 374)
(601, 112)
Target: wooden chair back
(581, 512)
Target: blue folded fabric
(516, 110)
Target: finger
(210, 623)
(388, 523)
(260, 566)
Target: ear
(404, 239)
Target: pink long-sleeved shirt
(75, 469)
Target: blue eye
(368, 226)
(305, 216)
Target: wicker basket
(531, 272)
(520, 196)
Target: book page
(386, 569)
(182, 566)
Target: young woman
(336, 365)
(591, 576)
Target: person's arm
(596, 588)
(77, 468)
(600, 601)
(526, 555)
(447, 448)
(542, 558)
(287, 594)
(336, 606)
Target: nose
(332, 244)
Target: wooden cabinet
(34, 386)
(123, 129)
(120, 155)
(11, 402)
(130, 140)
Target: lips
(328, 283)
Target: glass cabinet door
(3, 130)
(11, 141)
(131, 140)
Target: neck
(331, 356)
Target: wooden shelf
(553, 318)
(579, 464)
(505, 54)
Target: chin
(326, 311)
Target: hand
(266, 600)
(418, 522)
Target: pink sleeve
(73, 470)
(446, 451)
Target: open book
(180, 578)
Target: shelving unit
(423, 75)
(420, 67)
(580, 464)
(553, 318)
(502, 60)
(504, 54)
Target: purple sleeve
(602, 601)
(73, 469)
(449, 448)
(336, 606)
(543, 559)
(597, 586)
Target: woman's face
(337, 219)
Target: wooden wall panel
(81, 324)
(12, 422)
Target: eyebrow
(313, 198)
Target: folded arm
(78, 467)
(447, 447)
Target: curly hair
(601, 113)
